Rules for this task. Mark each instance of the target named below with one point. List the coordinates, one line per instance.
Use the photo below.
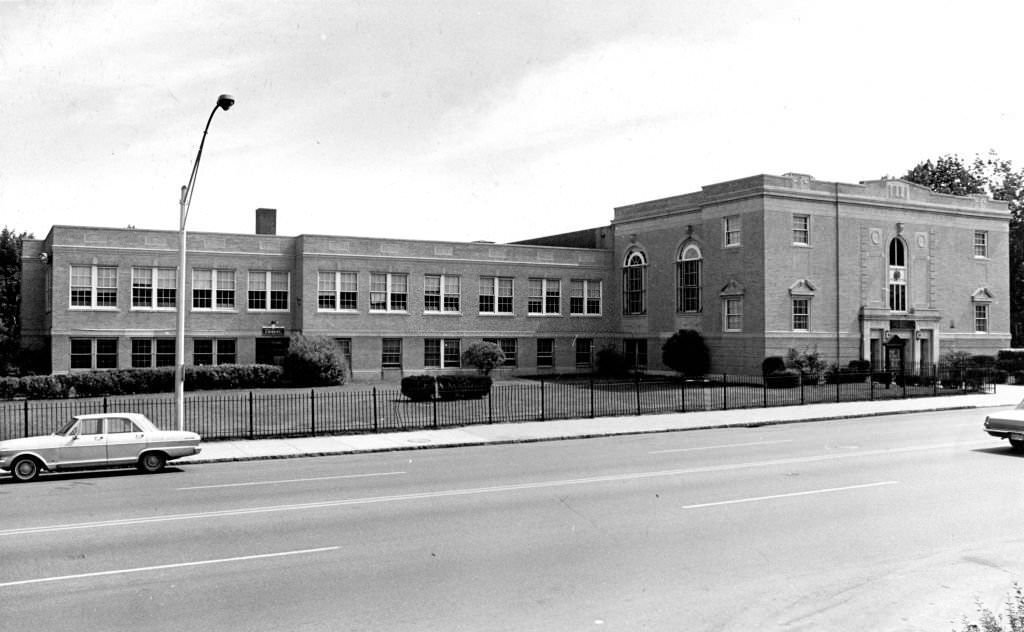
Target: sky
(478, 119)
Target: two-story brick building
(884, 270)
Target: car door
(86, 445)
(124, 440)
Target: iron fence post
(801, 388)
(725, 391)
(935, 381)
(104, 404)
(903, 376)
(871, 382)
(252, 416)
(638, 394)
(312, 411)
(375, 409)
(433, 402)
(591, 398)
(682, 395)
(490, 414)
(764, 390)
(26, 418)
(542, 400)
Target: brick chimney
(266, 221)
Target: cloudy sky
(478, 119)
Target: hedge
(421, 388)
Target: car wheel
(152, 462)
(25, 469)
(1017, 445)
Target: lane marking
(142, 569)
(716, 447)
(827, 490)
(291, 480)
(479, 490)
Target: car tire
(152, 462)
(25, 469)
(1017, 445)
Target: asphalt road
(884, 523)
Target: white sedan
(97, 441)
(1008, 424)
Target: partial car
(97, 441)
(1008, 425)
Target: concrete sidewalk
(246, 450)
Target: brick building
(883, 270)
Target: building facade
(886, 271)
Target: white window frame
(896, 286)
(801, 230)
(335, 290)
(981, 318)
(732, 231)
(804, 314)
(510, 347)
(155, 285)
(444, 346)
(585, 290)
(94, 288)
(449, 287)
(981, 245)
(495, 285)
(546, 292)
(634, 284)
(691, 256)
(390, 294)
(736, 316)
(216, 276)
(268, 290)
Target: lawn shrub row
(140, 381)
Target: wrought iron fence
(285, 413)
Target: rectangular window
(981, 317)
(142, 287)
(389, 292)
(213, 289)
(509, 346)
(441, 353)
(94, 353)
(544, 297)
(336, 291)
(166, 288)
(441, 293)
(147, 352)
(634, 290)
(345, 344)
(208, 351)
(801, 314)
(732, 311)
(145, 280)
(731, 229)
(391, 353)
(585, 297)
(495, 295)
(93, 286)
(584, 352)
(268, 290)
(981, 243)
(636, 353)
(688, 298)
(801, 229)
(897, 297)
(545, 353)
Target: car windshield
(66, 428)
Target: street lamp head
(225, 101)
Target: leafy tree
(10, 296)
(996, 177)
(314, 361)
(485, 356)
(687, 353)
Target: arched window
(897, 275)
(688, 279)
(634, 283)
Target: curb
(468, 444)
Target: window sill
(337, 311)
(389, 311)
(433, 313)
(81, 308)
(586, 315)
(211, 310)
(497, 314)
(268, 311)
(153, 309)
(543, 315)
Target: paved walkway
(246, 450)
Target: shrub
(484, 356)
(686, 352)
(463, 386)
(783, 378)
(859, 366)
(611, 363)
(1011, 360)
(809, 363)
(850, 374)
(418, 388)
(772, 364)
(314, 361)
(8, 387)
(982, 361)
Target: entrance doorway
(271, 350)
(895, 352)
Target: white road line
(291, 480)
(142, 569)
(451, 493)
(716, 447)
(790, 495)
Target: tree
(687, 353)
(314, 361)
(485, 356)
(996, 177)
(10, 297)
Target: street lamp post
(224, 102)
